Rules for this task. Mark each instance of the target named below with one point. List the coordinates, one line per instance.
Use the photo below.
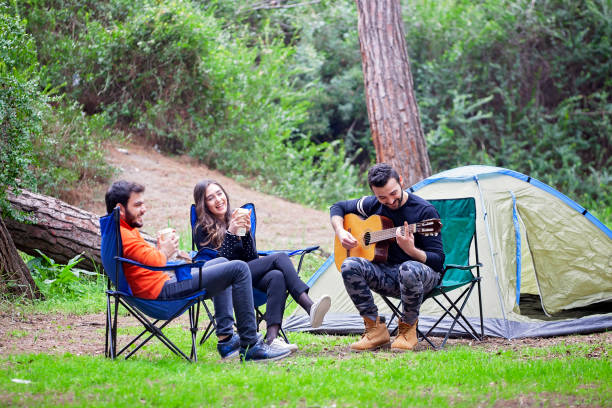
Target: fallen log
(59, 230)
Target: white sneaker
(318, 311)
(280, 344)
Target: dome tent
(547, 262)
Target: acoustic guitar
(373, 235)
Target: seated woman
(217, 227)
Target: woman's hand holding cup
(240, 222)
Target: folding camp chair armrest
(462, 267)
(196, 264)
(309, 249)
(304, 252)
(300, 252)
(289, 252)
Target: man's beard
(396, 204)
(131, 220)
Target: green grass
(321, 374)
(92, 300)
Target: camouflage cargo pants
(408, 281)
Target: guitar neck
(382, 235)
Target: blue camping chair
(259, 298)
(458, 218)
(154, 315)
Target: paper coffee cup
(241, 212)
(166, 233)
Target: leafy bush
(517, 84)
(513, 83)
(327, 61)
(57, 280)
(170, 72)
(70, 157)
(20, 105)
(44, 144)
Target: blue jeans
(218, 275)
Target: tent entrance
(531, 307)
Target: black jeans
(273, 274)
(218, 276)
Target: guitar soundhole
(366, 238)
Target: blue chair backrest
(112, 247)
(251, 206)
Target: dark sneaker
(260, 351)
(229, 348)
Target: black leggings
(275, 275)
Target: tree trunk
(58, 229)
(15, 278)
(392, 108)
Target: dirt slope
(169, 183)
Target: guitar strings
(382, 235)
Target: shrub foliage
(172, 73)
(518, 84)
(20, 105)
(274, 96)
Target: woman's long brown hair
(212, 227)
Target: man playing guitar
(414, 263)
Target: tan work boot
(406, 337)
(375, 336)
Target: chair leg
(207, 333)
(154, 330)
(395, 313)
(424, 337)
(107, 328)
(460, 315)
(157, 332)
(114, 353)
(194, 313)
(212, 325)
(480, 309)
(259, 317)
(456, 317)
(282, 332)
(110, 341)
(452, 308)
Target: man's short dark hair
(380, 174)
(119, 193)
